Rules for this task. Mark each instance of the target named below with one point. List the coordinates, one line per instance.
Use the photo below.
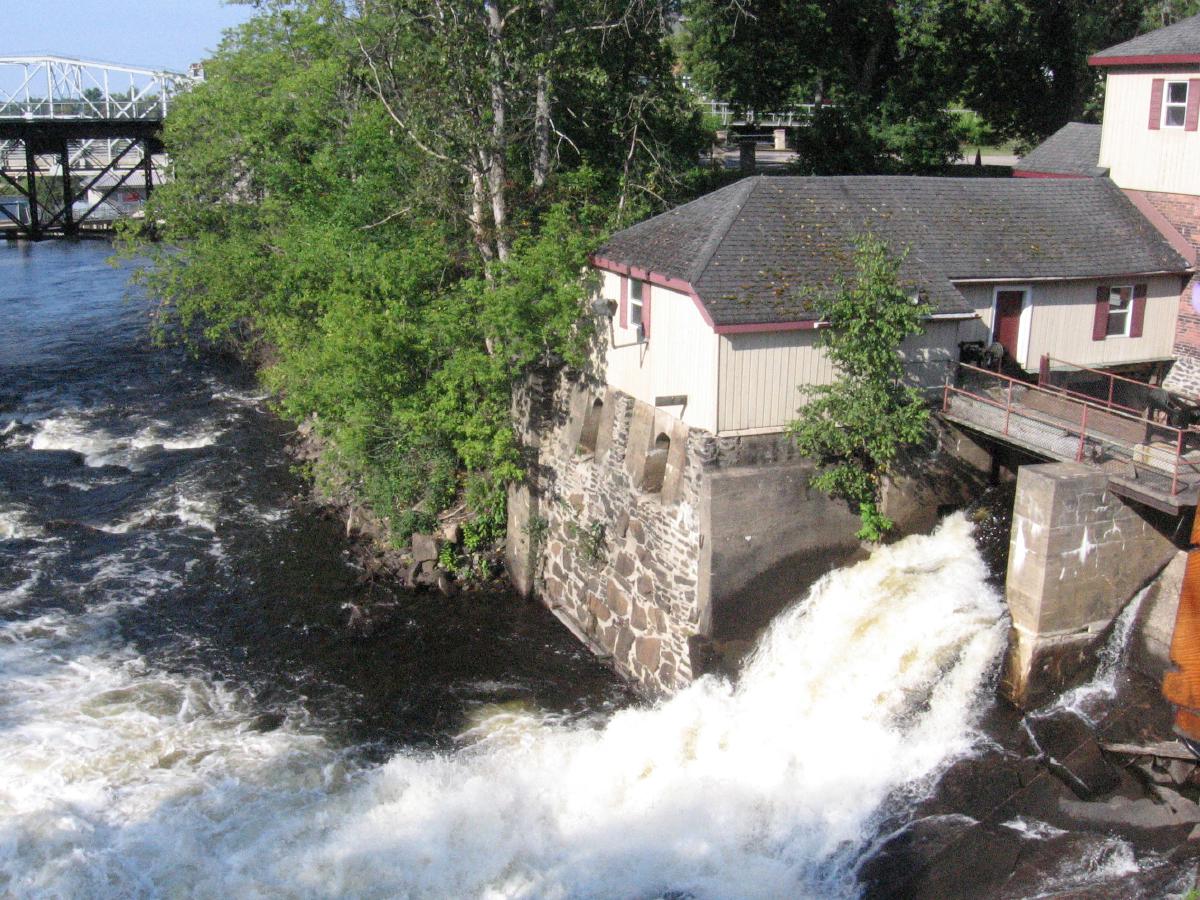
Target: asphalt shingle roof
(759, 250)
(1072, 150)
(1180, 39)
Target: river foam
(120, 779)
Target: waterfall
(120, 780)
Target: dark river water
(185, 713)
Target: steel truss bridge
(73, 133)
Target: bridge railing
(1077, 427)
(56, 87)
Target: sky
(155, 34)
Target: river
(184, 711)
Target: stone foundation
(667, 549)
(1078, 553)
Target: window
(655, 469)
(635, 302)
(1120, 306)
(1175, 98)
(591, 426)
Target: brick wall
(1183, 211)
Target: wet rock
(940, 857)
(1172, 811)
(445, 585)
(977, 785)
(1067, 746)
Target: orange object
(1182, 686)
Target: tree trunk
(541, 114)
(495, 162)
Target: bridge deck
(1147, 461)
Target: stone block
(623, 645)
(618, 600)
(641, 427)
(645, 585)
(638, 618)
(598, 609)
(624, 564)
(647, 652)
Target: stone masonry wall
(615, 558)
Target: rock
(449, 532)
(1066, 745)
(926, 855)
(624, 564)
(977, 785)
(648, 650)
(445, 585)
(1144, 813)
(424, 548)
(618, 602)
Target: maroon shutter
(1156, 98)
(1100, 322)
(1138, 315)
(1192, 122)
(624, 302)
(646, 310)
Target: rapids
(183, 713)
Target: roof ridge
(713, 242)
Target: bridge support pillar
(68, 193)
(1078, 553)
(35, 212)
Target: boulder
(1067, 746)
(424, 548)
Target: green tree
(390, 204)
(858, 425)
(887, 70)
(1028, 74)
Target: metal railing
(58, 87)
(732, 115)
(1099, 387)
(1071, 425)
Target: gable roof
(758, 251)
(1178, 43)
(1072, 150)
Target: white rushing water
(117, 780)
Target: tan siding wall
(1141, 158)
(679, 358)
(1060, 323)
(760, 374)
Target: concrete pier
(1078, 553)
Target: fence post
(1044, 370)
(1111, 384)
(1008, 408)
(1082, 434)
(1178, 457)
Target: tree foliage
(885, 74)
(390, 203)
(882, 74)
(858, 425)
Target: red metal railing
(1136, 393)
(1160, 452)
